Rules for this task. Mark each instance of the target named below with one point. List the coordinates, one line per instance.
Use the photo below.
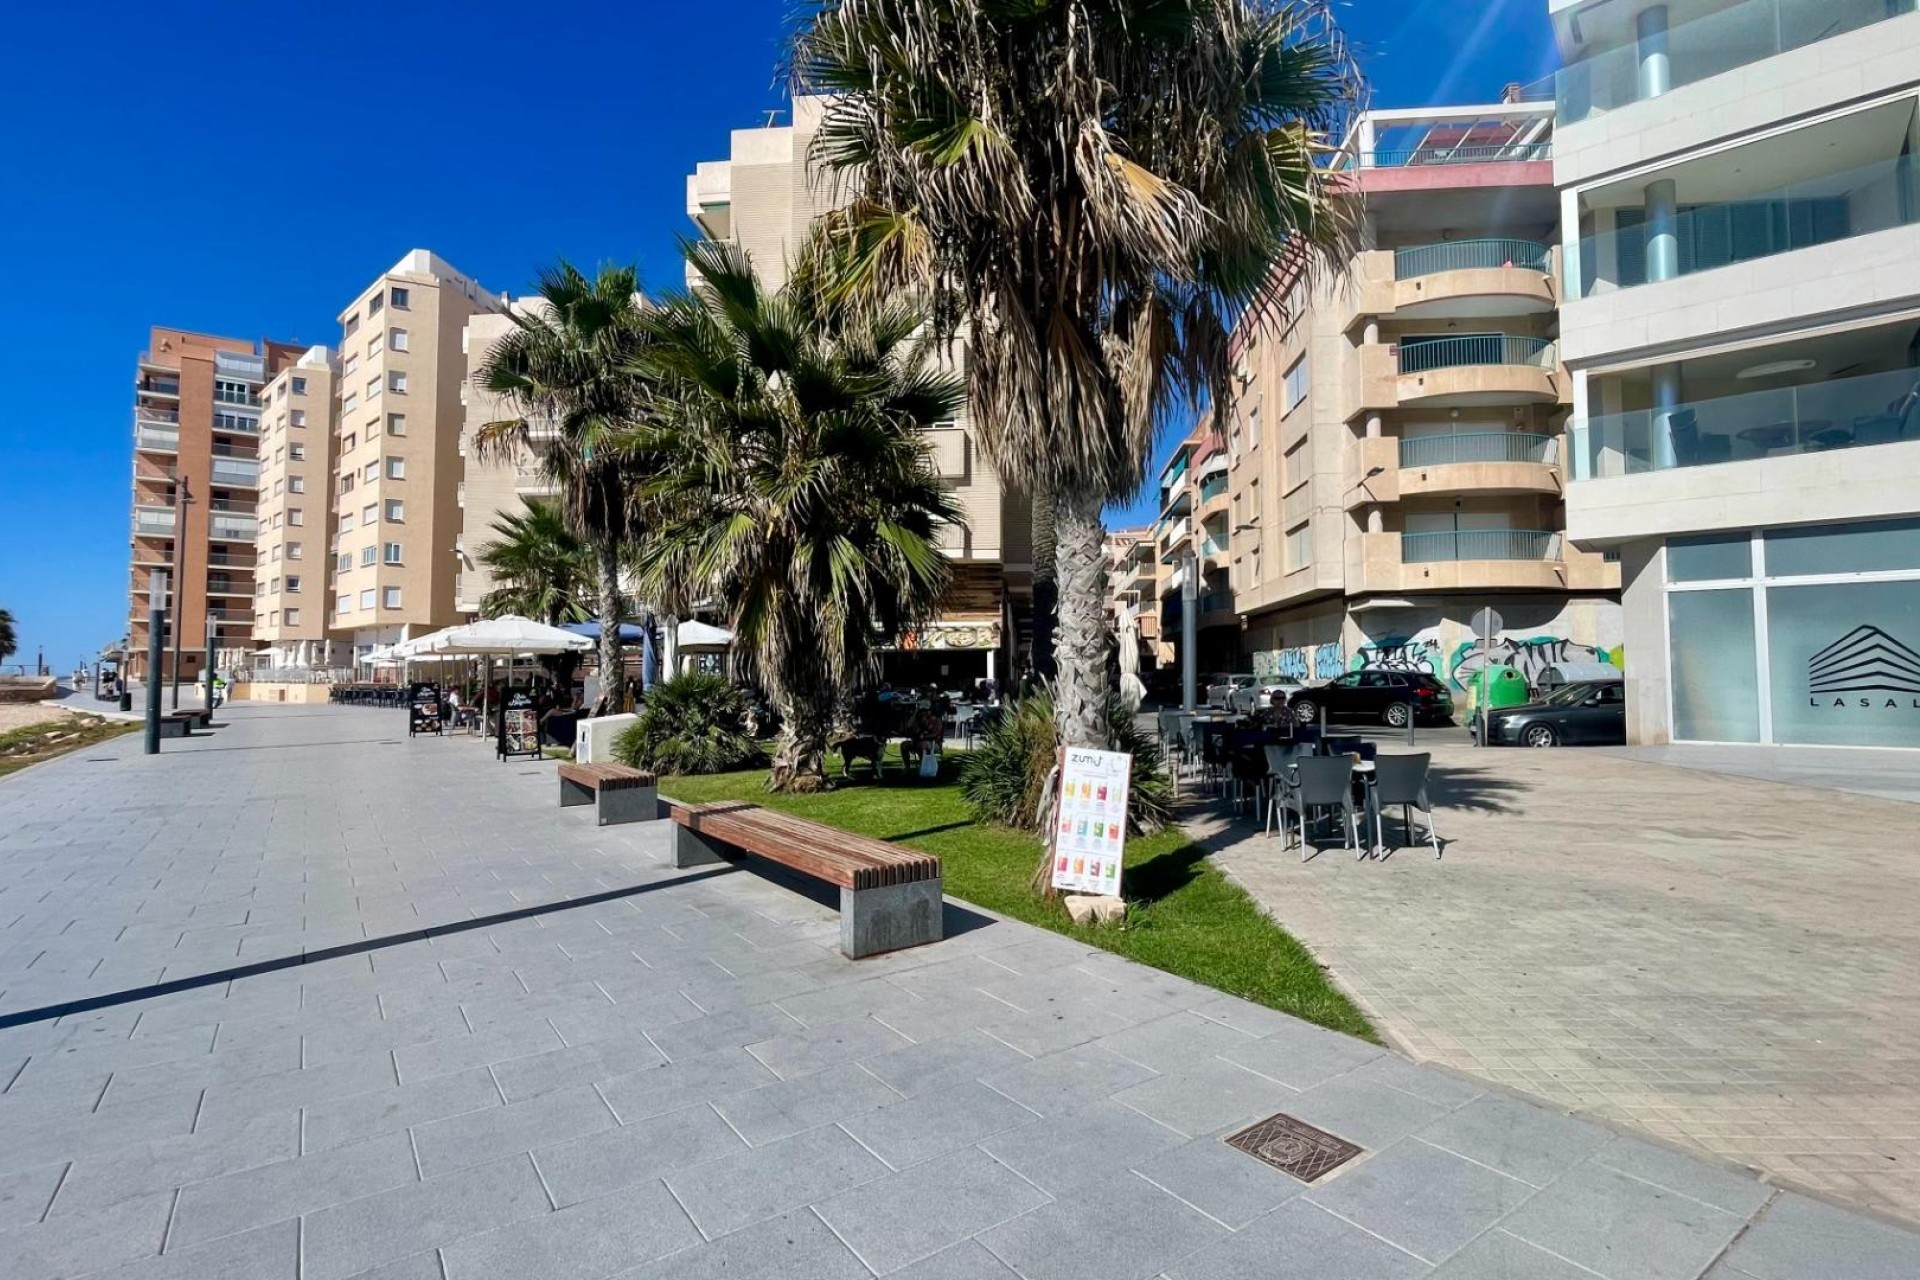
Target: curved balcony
(1466, 278)
(1476, 369)
(1464, 560)
(1215, 499)
(1480, 462)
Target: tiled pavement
(689, 1081)
(1721, 961)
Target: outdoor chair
(1173, 736)
(966, 722)
(1248, 769)
(1690, 447)
(1214, 754)
(1402, 780)
(1280, 757)
(1348, 747)
(1317, 783)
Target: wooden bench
(617, 792)
(889, 896)
(178, 724)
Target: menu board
(519, 726)
(423, 708)
(1090, 821)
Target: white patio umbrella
(1132, 691)
(510, 635)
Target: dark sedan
(1394, 697)
(1591, 713)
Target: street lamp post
(1189, 630)
(181, 501)
(156, 619)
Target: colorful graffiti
(1300, 664)
(1422, 656)
(1530, 657)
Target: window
(344, 604)
(298, 417)
(396, 424)
(375, 303)
(397, 382)
(397, 339)
(1253, 427)
(346, 483)
(373, 390)
(1300, 547)
(351, 366)
(273, 619)
(396, 511)
(296, 453)
(368, 554)
(279, 456)
(279, 487)
(299, 389)
(366, 598)
(390, 553)
(346, 521)
(296, 484)
(293, 551)
(276, 555)
(348, 441)
(374, 344)
(280, 392)
(399, 299)
(293, 617)
(1297, 385)
(243, 423)
(348, 401)
(295, 516)
(353, 324)
(369, 513)
(371, 471)
(342, 561)
(274, 588)
(276, 520)
(390, 597)
(396, 468)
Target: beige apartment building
(398, 468)
(196, 420)
(1133, 592)
(764, 197)
(291, 550)
(1396, 458)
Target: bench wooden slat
(839, 857)
(606, 777)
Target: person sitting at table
(924, 731)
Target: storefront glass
(1714, 695)
(1845, 663)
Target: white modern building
(1740, 216)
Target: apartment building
(291, 548)
(1396, 459)
(764, 197)
(398, 469)
(1741, 227)
(196, 421)
(1133, 591)
(493, 487)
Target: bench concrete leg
(574, 794)
(628, 804)
(691, 849)
(175, 729)
(889, 918)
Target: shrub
(693, 723)
(1005, 778)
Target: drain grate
(1294, 1147)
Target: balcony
(227, 587)
(1478, 544)
(1466, 278)
(147, 415)
(1815, 417)
(1716, 223)
(155, 440)
(1461, 560)
(1484, 462)
(1476, 369)
(240, 368)
(1733, 37)
(246, 399)
(1216, 609)
(1173, 539)
(149, 385)
(153, 522)
(223, 527)
(243, 472)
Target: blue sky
(243, 168)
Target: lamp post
(182, 499)
(1189, 629)
(156, 619)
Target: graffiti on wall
(1530, 657)
(1422, 656)
(1300, 664)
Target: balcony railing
(224, 395)
(1479, 544)
(232, 527)
(1734, 37)
(155, 416)
(1213, 547)
(1474, 446)
(1490, 348)
(1820, 210)
(1216, 601)
(159, 386)
(1467, 255)
(153, 520)
(1494, 153)
(1212, 487)
(247, 368)
(1874, 408)
(241, 471)
(156, 441)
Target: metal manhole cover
(1294, 1147)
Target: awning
(509, 635)
(630, 632)
(699, 635)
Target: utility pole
(211, 636)
(1189, 630)
(182, 499)
(156, 620)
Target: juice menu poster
(1090, 821)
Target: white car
(1223, 692)
(1264, 694)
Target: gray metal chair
(1280, 758)
(1402, 780)
(1321, 783)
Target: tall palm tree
(568, 366)
(9, 639)
(540, 570)
(1099, 191)
(792, 482)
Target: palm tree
(9, 639)
(568, 366)
(540, 569)
(792, 482)
(1099, 191)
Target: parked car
(1220, 689)
(1395, 697)
(1263, 694)
(1585, 712)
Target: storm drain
(1294, 1147)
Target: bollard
(1410, 719)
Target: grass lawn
(32, 743)
(1184, 916)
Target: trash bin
(1497, 687)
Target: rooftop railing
(1479, 544)
(1440, 153)
(1468, 255)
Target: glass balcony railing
(156, 441)
(1493, 153)
(232, 527)
(1213, 546)
(1820, 210)
(161, 386)
(1737, 36)
(1474, 446)
(1467, 255)
(1479, 544)
(241, 471)
(152, 520)
(156, 416)
(1486, 348)
(1213, 487)
(1874, 408)
(225, 395)
(1216, 601)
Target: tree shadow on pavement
(1478, 789)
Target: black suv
(1391, 696)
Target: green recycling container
(1499, 687)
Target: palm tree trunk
(800, 761)
(1080, 639)
(1045, 589)
(607, 566)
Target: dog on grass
(861, 746)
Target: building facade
(196, 421)
(1741, 230)
(1396, 457)
(398, 468)
(764, 197)
(1133, 592)
(494, 487)
(291, 547)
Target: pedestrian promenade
(533, 1050)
